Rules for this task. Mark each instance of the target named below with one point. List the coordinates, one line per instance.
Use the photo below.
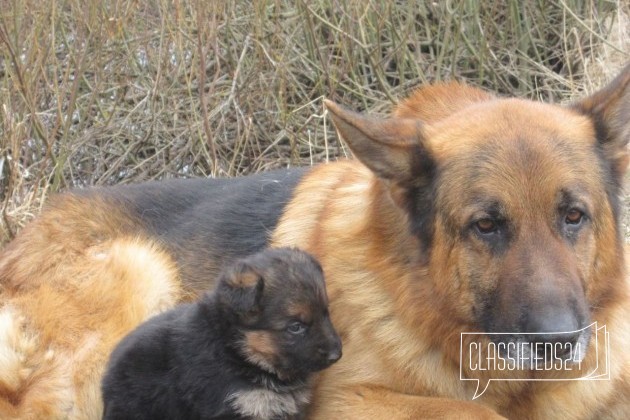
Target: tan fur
(436, 102)
(245, 280)
(301, 311)
(260, 349)
(59, 326)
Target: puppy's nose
(333, 352)
(334, 355)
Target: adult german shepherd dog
(461, 212)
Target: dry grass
(110, 92)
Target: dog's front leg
(376, 403)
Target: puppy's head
(278, 304)
(514, 202)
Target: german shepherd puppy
(244, 351)
(462, 212)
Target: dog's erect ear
(392, 148)
(240, 289)
(610, 110)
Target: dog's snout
(554, 326)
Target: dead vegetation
(109, 92)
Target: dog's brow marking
(263, 403)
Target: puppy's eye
(296, 328)
(486, 226)
(574, 217)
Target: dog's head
(278, 303)
(515, 203)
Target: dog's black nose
(554, 327)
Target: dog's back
(204, 223)
(98, 262)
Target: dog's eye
(573, 217)
(486, 226)
(296, 328)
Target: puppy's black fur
(244, 351)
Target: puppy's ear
(610, 110)
(392, 148)
(240, 289)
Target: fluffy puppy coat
(244, 351)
